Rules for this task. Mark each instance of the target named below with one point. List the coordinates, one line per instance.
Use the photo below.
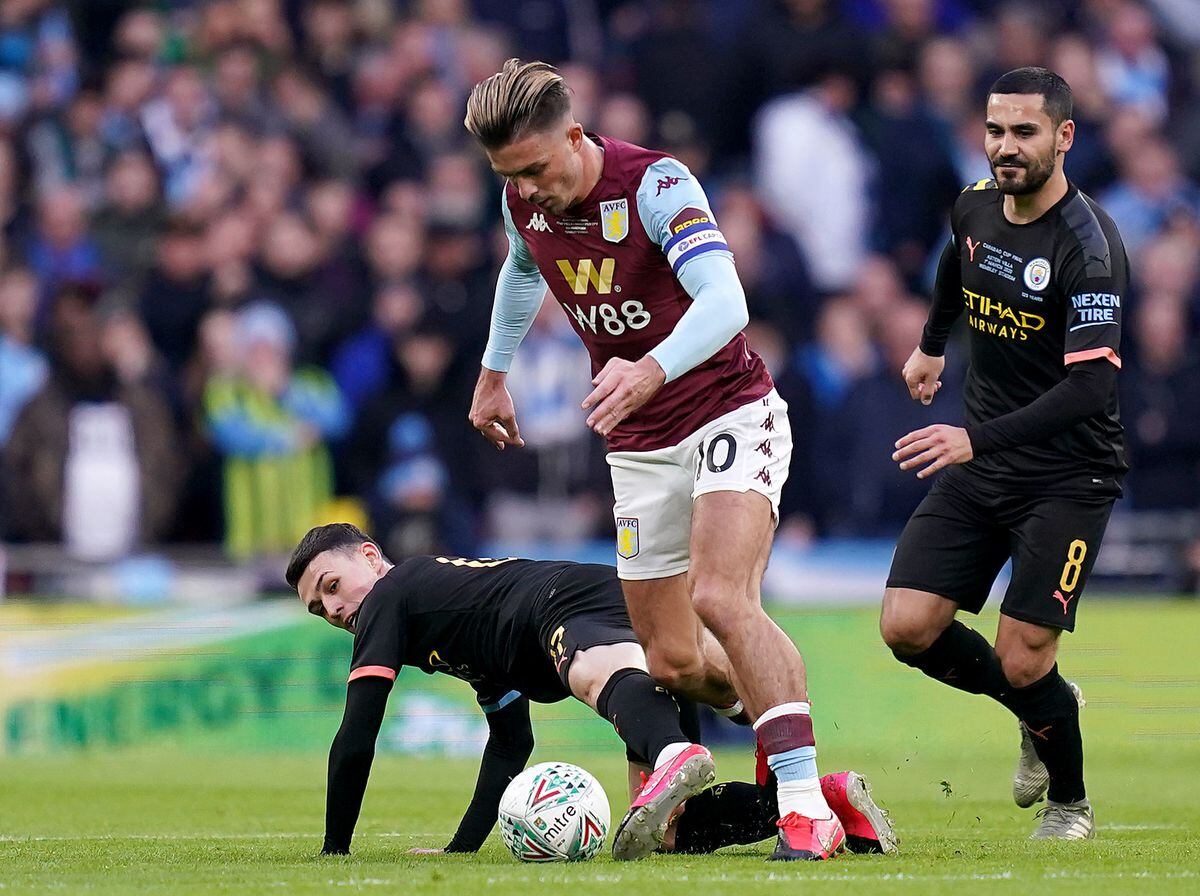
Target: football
(554, 812)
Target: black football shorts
(585, 608)
(961, 535)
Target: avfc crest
(614, 219)
(628, 546)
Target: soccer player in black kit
(1039, 271)
(520, 630)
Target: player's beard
(1033, 177)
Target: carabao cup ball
(554, 812)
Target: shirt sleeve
(520, 290)
(1094, 280)
(381, 634)
(350, 760)
(509, 745)
(676, 214)
(947, 302)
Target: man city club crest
(614, 220)
(627, 534)
(1037, 274)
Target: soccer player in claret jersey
(521, 630)
(1041, 274)
(698, 438)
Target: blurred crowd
(249, 250)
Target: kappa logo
(971, 247)
(538, 223)
(665, 183)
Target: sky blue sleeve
(519, 293)
(676, 215)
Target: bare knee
(1026, 652)
(723, 610)
(679, 671)
(909, 625)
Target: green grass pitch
(183, 818)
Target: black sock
(1050, 714)
(963, 659)
(689, 718)
(643, 714)
(724, 815)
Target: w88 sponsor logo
(630, 315)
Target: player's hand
(932, 448)
(492, 411)
(922, 374)
(425, 851)
(621, 388)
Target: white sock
(803, 797)
(670, 751)
(734, 709)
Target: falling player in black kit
(520, 630)
(1041, 274)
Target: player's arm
(520, 290)
(924, 366)
(675, 213)
(509, 746)
(350, 759)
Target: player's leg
(946, 559)
(740, 464)
(727, 814)
(731, 537)
(1055, 541)
(653, 510)
(677, 650)
(612, 678)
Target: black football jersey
(473, 619)
(1039, 297)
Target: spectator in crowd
(176, 293)
(193, 160)
(362, 364)
(877, 498)
(1160, 403)
(69, 148)
(773, 274)
(91, 460)
(23, 367)
(1132, 64)
(410, 455)
(272, 424)
(1150, 192)
(812, 174)
(61, 250)
(550, 489)
(128, 222)
(911, 208)
(816, 385)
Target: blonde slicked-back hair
(522, 97)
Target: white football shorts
(748, 449)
